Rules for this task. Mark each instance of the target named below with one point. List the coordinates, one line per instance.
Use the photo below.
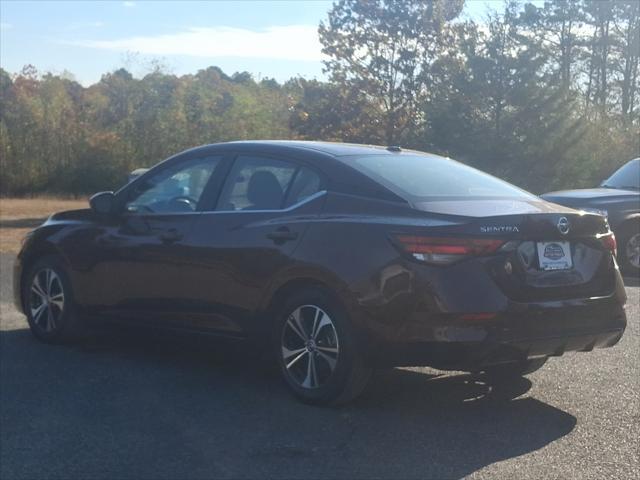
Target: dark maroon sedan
(340, 258)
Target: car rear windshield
(427, 176)
(626, 177)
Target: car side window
(176, 189)
(256, 183)
(306, 183)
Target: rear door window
(306, 183)
(256, 183)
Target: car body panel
(620, 205)
(235, 259)
(481, 207)
(589, 193)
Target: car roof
(335, 149)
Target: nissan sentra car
(337, 258)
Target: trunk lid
(486, 207)
(516, 219)
(550, 252)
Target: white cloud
(81, 25)
(290, 42)
(129, 4)
(5, 26)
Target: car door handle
(171, 235)
(282, 235)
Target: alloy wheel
(309, 346)
(46, 300)
(633, 250)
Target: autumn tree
(542, 94)
(382, 51)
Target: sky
(274, 39)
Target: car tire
(508, 371)
(48, 302)
(316, 349)
(628, 237)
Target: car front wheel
(316, 349)
(48, 302)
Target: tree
(627, 55)
(382, 50)
(555, 27)
(328, 112)
(545, 96)
(600, 16)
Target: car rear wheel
(48, 302)
(509, 371)
(629, 247)
(316, 350)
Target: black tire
(349, 375)
(628, 236)
(510, 371)
(66, 325)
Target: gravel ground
(127, 405)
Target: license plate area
(554, 255)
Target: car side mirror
(103, 203)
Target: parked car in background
(618, 199)
(136, 173)
(338, 258)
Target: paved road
(127, 406)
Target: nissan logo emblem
(563, 225)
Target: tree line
(544, 96)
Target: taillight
(442, 251)
(609, 242)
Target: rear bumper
(458, 318)
(448, 341)
(474, 356)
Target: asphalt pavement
(130, 405)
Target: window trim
(318, 194)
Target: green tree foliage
(56, 136)
(546, 96)
(381, 51)
(328, 112)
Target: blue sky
(275, 39)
